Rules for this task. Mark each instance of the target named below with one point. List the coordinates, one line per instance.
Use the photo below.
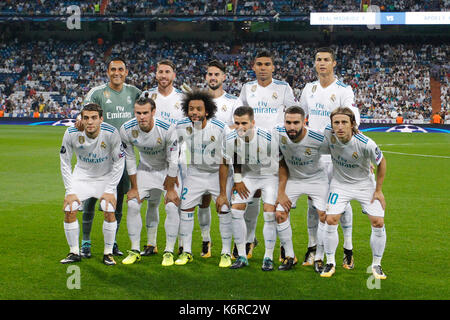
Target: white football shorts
(197, 184)
(341, 194)
(316, 190)
(150, 184)
(267, 184)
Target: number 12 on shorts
(332, 198)
(183, 193)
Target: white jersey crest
(100, 158)
(268, 102)
(168, 108)
(258, 157)
(158, 149)
(319, 102)
(303, 158)
(225, 107)
(351, 161)
(202, 146)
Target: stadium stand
(211, 7)
(54, 76)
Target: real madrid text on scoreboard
(380, 18)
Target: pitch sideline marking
(415, 154)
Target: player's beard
(198, 122)
(214, 87)
(295, 135)
(167, 84)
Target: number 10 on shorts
(332, 198)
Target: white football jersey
(202, 147)
(318, 102)
(258, 157)
(225, 106)
(303, 158)
(268, 102)
(168, 108)
(100, 158)
(351, 161)
(158, 148)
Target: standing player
(117, 100)
(300, 173)
(99, 167)
(319, 99)
(156, 142)
(352, 154)
(225, 102)
(251, 147)
(168, 108)
(268, 98)
(202, 134)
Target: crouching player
(99, 167)
(202, 135)
(251, 147)
(300, 173)
(157, 144)
(352, 154)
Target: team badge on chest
(81, 139)
(307, 151)
(355, 155)
(135, 133)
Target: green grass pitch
(32, 238)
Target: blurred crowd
(212, 7)
(54, 76)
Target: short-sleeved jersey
(100, 158)
(303, 158)
(168, 108)
(225, 106)
(268, 102)
(351, 161)
(319, 102)
(258, 157)
(118, 106)
(203, 147)
(158, 148)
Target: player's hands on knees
(110, 200)
(133, 194)
(242, 190)
(378, 195)
(284, 201)
(172, 196)
(222, 200)
(69, 200)
(170, 181)
(281, 216)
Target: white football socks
(377, 243)
(72, 231)
(134, 223)
(109, 234)
(171, 225)
(331, 242)
(204, 220)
